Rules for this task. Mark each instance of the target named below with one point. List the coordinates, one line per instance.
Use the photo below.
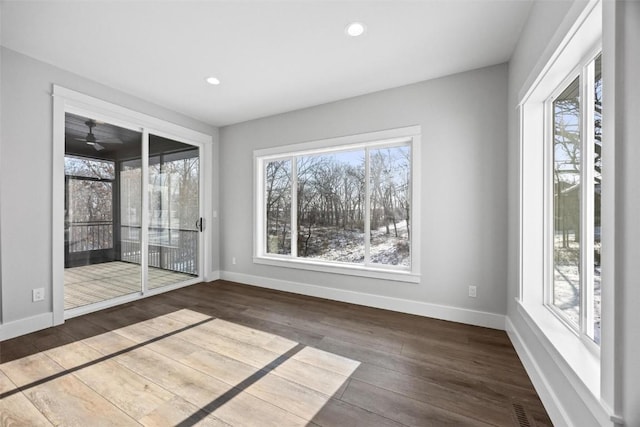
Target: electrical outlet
(233, 260)
(38, 294)
(472, 291)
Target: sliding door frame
(69, 101)
(145, 223)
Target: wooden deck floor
(227, 354)
(100, 282)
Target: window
(576, 146)
(560, 223)
(339, 203)
(88, 204)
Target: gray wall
(543, 22)
(622, 32)
(463, 188)
(1, 304)
(536, 41)
(547, 24)
(26, 168)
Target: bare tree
(567, 160)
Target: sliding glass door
(102, 198)
(174, 211)
(132, 214)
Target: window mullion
(548, 207)
(145, 220)
(262, 206)
(587, 202)
(294, 207)
(367, 207)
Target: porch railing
(169, 249)
(90, 236)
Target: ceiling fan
(91, 139)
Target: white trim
(587, 235)
(294, 203)
(57, 217)
(545, 391)
(116, 112)
(66, 100)
(401, 137)
(259, 242)
(383, 137)
(436, 311)
(520, 172)
(559, 51)
(611, 336)
(416, 200)
(547, 387)
(581, 367)
(548, 147)
(348, 269)
(213, 276)
(576, 43)
(206, 210)
(144, 214)
(581, 73)
(20, 327)
(367, 208)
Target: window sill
(580, 364)
(350, 270)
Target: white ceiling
(271, 56)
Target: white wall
(25, 174)
(463, 165)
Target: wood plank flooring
(93, 283)
(225, 354)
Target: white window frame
(585, 72)
(69, 101)
(579, 359)
(388, 138)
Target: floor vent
(521, 415)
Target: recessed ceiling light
(355, 29)
(213, 81)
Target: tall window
(346, 205)
(577, 167)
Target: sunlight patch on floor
(201, 365)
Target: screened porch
(104, 235)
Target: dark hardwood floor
(228, 354)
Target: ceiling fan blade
(95, 145)
(110, 141)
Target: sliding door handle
(200, 224)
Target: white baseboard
(553, 394)
(25, 326)
(28, 325)
(551, 402)
(437, 311)
(212, 275)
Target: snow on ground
(566, 278)
(330, 244)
